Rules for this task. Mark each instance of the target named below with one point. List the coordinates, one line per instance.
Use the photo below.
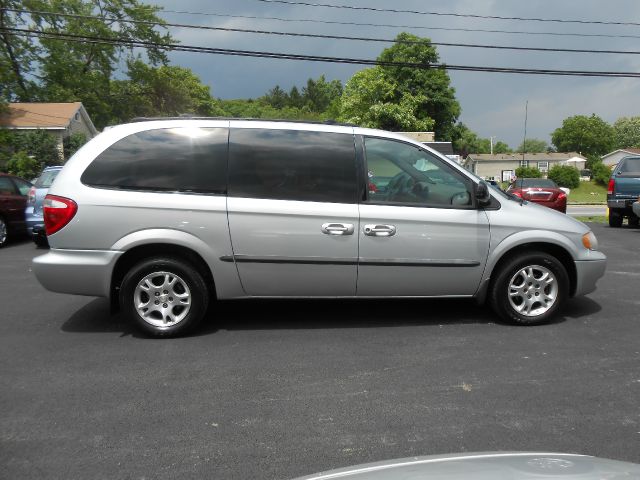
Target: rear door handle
(375, 230)
(337, 228)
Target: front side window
(400, 173)
(184, 159)
(292, 165)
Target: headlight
(590, 241)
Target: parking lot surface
(278, 389)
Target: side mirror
(482, 194)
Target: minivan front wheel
(165, 297)
(530, 288)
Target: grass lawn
(593, 219)
(588, 192)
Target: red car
(13, 200)
(541, 191)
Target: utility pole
(491, 140)
(524, 142)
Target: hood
(489, 466)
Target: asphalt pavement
(278, 389)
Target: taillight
(31, 196)
(58, 211)
(611, 187)
(517, 194)
(562, 195)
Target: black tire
(41, 242)
(4, 232)
(500, 288)
(188, 281)
(615, 219)
(634, 221)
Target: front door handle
(375, 230)
(337, 228)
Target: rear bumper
(588, 272)
(79, 272)
(33, 221)
(559, 206)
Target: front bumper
(79, 272)
(588, 272)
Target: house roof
(516, 157)
(631, 151)
(446, 148)
(39, 115)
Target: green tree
(370, 99)
(400, 98)
(319, 94)
(565, 176)
(72, 144)
(627, 132)
(69, 70)
(24, 166)
(277, 98)
(528, 172)
(533, 145)
(38, 144)
(161, 91)
(585, 135)
(465, 141)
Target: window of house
(543, 166)
(524, 163)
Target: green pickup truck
(623, 191)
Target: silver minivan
(165, 216)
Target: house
(502, 166)
(59, 119)
(612, 159)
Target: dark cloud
(493, 104)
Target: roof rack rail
(283, 120)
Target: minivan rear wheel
(530, 288)
(165, 297)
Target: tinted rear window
(182, 159)
(292, 165)
(46, 178)
(629, 165)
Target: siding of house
(613, 158)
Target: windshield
(46, 179)
(535, 182)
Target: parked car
(13, 198)
(165, 216)
(33, 212)
(623, 190)
(541, 191)
(488, 466)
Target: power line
(393, 25)
(333, 37)
(448, 14)
(311, 58)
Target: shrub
(24, 166)
(528, 172)
(73, 143)
(565, 176)
(601, 173)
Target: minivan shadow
(263, 314)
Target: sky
(492, 104)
